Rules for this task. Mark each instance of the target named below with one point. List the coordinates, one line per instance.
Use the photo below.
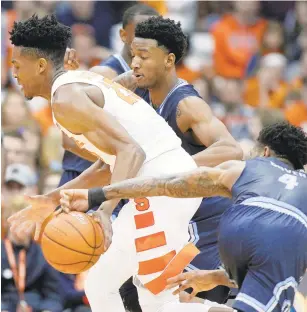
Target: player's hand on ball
(104, 219)
(70, 59)
(76, 200)
(201, 280)
(31, 218)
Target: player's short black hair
(43, 37)
(287, 141)
(166, 32)
(137, 9)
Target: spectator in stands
(85, 44)
(15, 114)
(238, 38)
(18, 180)
(231, 108)
(41, 291)
(296, 27)
(97, 14)
(273, 39)
(73, 292)
(268, 88)
(296, 111)
(14, 144)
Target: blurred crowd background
(247, 59)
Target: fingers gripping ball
(73, 242)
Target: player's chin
(142, 84)
(27, 95)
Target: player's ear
(266, 151)
(123, 35)
(170, 60)
(42, 65)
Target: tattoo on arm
(198, 183)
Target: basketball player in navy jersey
(158, 45)
(263, 236)
(118, 64)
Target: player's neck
(160, 92)
(45, 91)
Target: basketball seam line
(80, 233)
(94, 230)
(84, 253)
(102, 241)
(70, 263)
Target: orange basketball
(73, 242)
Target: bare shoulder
(104, 71)
(70, 94)
(193, 108)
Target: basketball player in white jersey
(151, 234)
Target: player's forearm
(218, 153)
(129, 161)
(197, 183)
(217, 277)
(96, 175)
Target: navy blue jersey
(203, 228)
(72, 162)
(263, 236)
(118, 64)
(168, 111)
(274, 179)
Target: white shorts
(149, 234)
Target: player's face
(27, 70)
(148, 62)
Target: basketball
(73, 242)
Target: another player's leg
(112, 269)
(203, 230)
(267, 273)
(129, 295)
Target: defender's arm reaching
(201, 182)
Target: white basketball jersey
(140, 120)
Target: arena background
(251, 74)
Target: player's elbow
(138, 152)
(135, 152)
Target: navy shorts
(265, 251)
(203, 230)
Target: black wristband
(95, 197)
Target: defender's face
(26, 71)
(148, 62)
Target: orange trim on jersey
(155, 265)
(175, 267)
(144, 220)
(150, 241)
